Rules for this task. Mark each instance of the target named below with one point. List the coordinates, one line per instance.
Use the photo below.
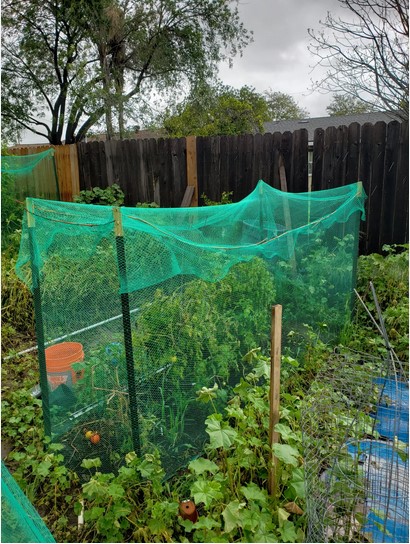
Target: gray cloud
(279, 58)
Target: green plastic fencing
(20, 522)
(139, 309)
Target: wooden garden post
(192, 168)
(274, 391)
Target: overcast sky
(278, 58)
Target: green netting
(20, 522)
(165, 302)
(25, 176)
(31, 175)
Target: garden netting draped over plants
(25, 176)
(20, 522)
(31, 175)
(143, 313)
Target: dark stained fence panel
(299, 164)
(374, 187)
(389, 183)
(401, 200)
(317, 161)
(155, 170)
(353, 153)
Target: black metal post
(126, 320)
(38, 312)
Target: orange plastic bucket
(59, 359)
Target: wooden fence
(66, 162)
(160, 170)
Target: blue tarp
(386, 466)
(392, 413)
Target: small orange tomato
(89, 434)
(95, 438)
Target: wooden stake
(274, 392)
(191, 167)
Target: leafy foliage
(389, 275)
(283, 106)
(228, 481)
(82, 61)
(110, 196)
(213, 111)
(343, 104)
(225, 199)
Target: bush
(111, 196)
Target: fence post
(191, 167)
(39, 317)
(126, 320)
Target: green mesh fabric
(31, 175)
(20, 522)
(166, 302)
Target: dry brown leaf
(293, 508)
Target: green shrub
(111, 196)
(389, 275)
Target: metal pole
(126, 320)
(39, 318)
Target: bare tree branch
(366, 55)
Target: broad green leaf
(262, 368)
(95, 513)
(232, 515)
(297, 483)
(94, 489)
(205, 522)
(115, 491)
(206, 491)
(130, 457)
(285, 431)
(187, 524)
(147, 468)
(121, 510)
(91, 463)
(282, 516)
(201, 465)
(252, 492)
(288, 532)
(206, 394)
(265, 537)
(78, 507)
(235, 411)
(250, 519)
(286, 453)
(221, 435)
(43, 468)
(156, 526)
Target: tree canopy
(68, 64)
(366, 54)
(221, 110)
(283, 106)
(343, 104)
(212, 110)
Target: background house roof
(323, 122)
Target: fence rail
(160, 170)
